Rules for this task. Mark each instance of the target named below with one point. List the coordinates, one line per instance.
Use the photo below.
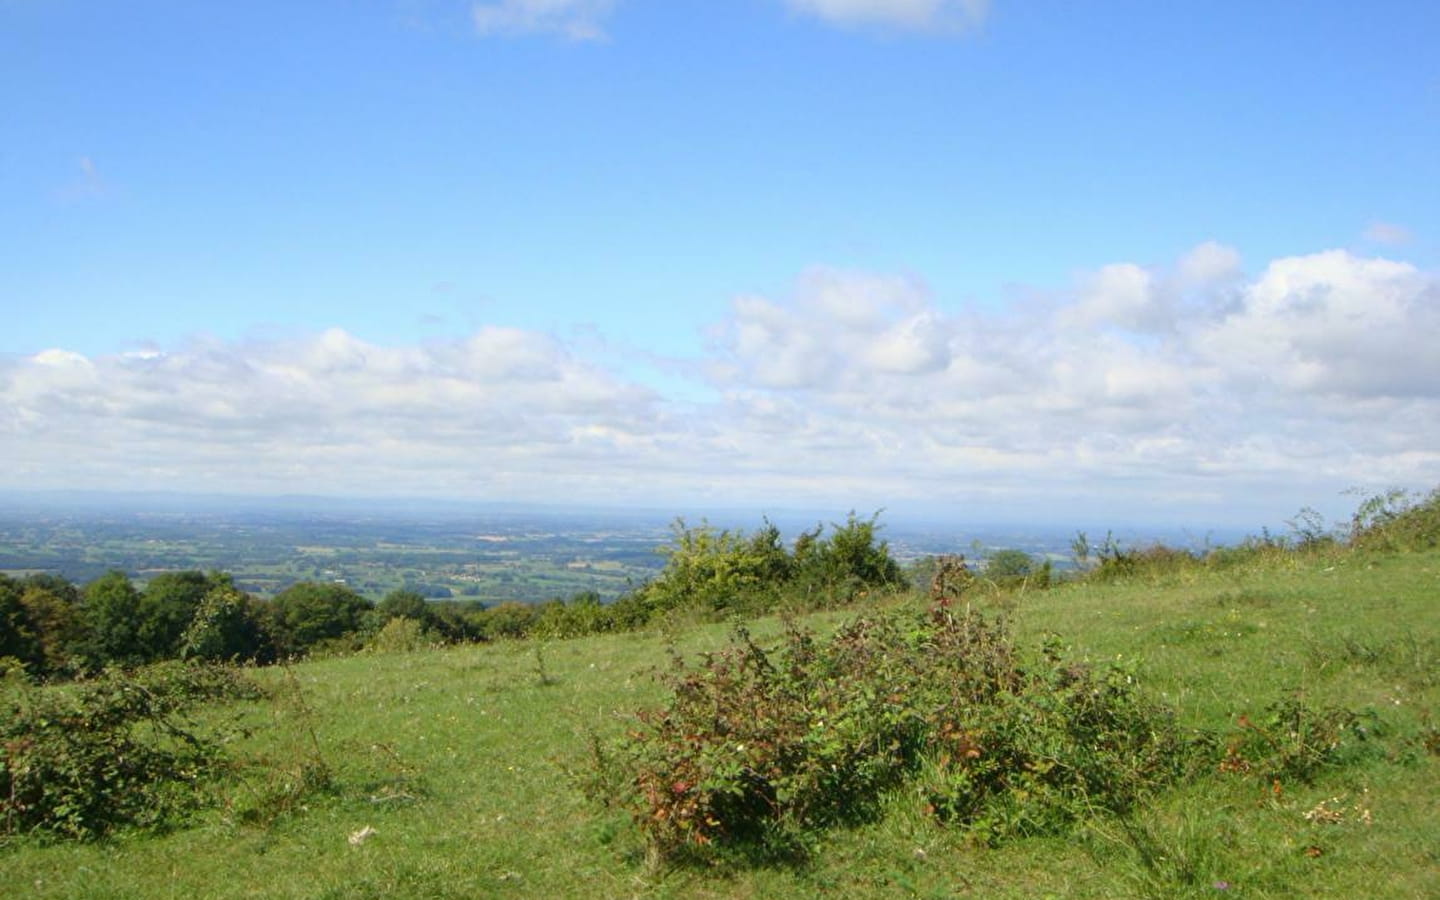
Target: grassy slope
(457, 759)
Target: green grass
(458, 758)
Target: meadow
(462, 771)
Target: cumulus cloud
(1334, 324)
(840, 326)
(1122, 294)
(328, 409)
(578, 20)
(1320, 368)
(1208, 264)
(910, 15)
(1192, 382)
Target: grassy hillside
(462, 760)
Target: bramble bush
(1290, 740)
(757, 751)
(123, 749)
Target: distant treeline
(53, 628)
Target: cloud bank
(1189, 384)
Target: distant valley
(489, 553)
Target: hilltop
(1305, 669)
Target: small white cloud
(578, 20)
(60, 359)
(909, 15)
(1388, 233)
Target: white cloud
(330, 411)
(1333, 323)
(1143, 380)
(578, 20)
(840, 326)
(1191, 381)
(1121, 294)
(910, 15)
(1209, 263)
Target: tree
(309, 612)
(227, 626)
(1009, 564)
(52, 611)
(112, 611)
(167, 607)
(850, 559)
(407, 604)
(17, 635)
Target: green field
(462, 760)
(485, 558)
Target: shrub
(1397, 520)
(121, 750)
(1293, 741)
(401, 635)
(583, 614)
(1117, 562)
(758, 750)
(1062, 744)
(712, 572)
(507, 620)
(716, 570)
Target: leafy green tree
(309, 612)
(459, 620)
(850, 560)
(508, 620)
(227, 626)
(17, 635)
(1009, 564)
(582, 614)
(167, 606)
(112, 611)
(718, 569)
(52, 610)
(403, 603)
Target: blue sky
(1001, 258)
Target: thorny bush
(79, 760)
(759, 750)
